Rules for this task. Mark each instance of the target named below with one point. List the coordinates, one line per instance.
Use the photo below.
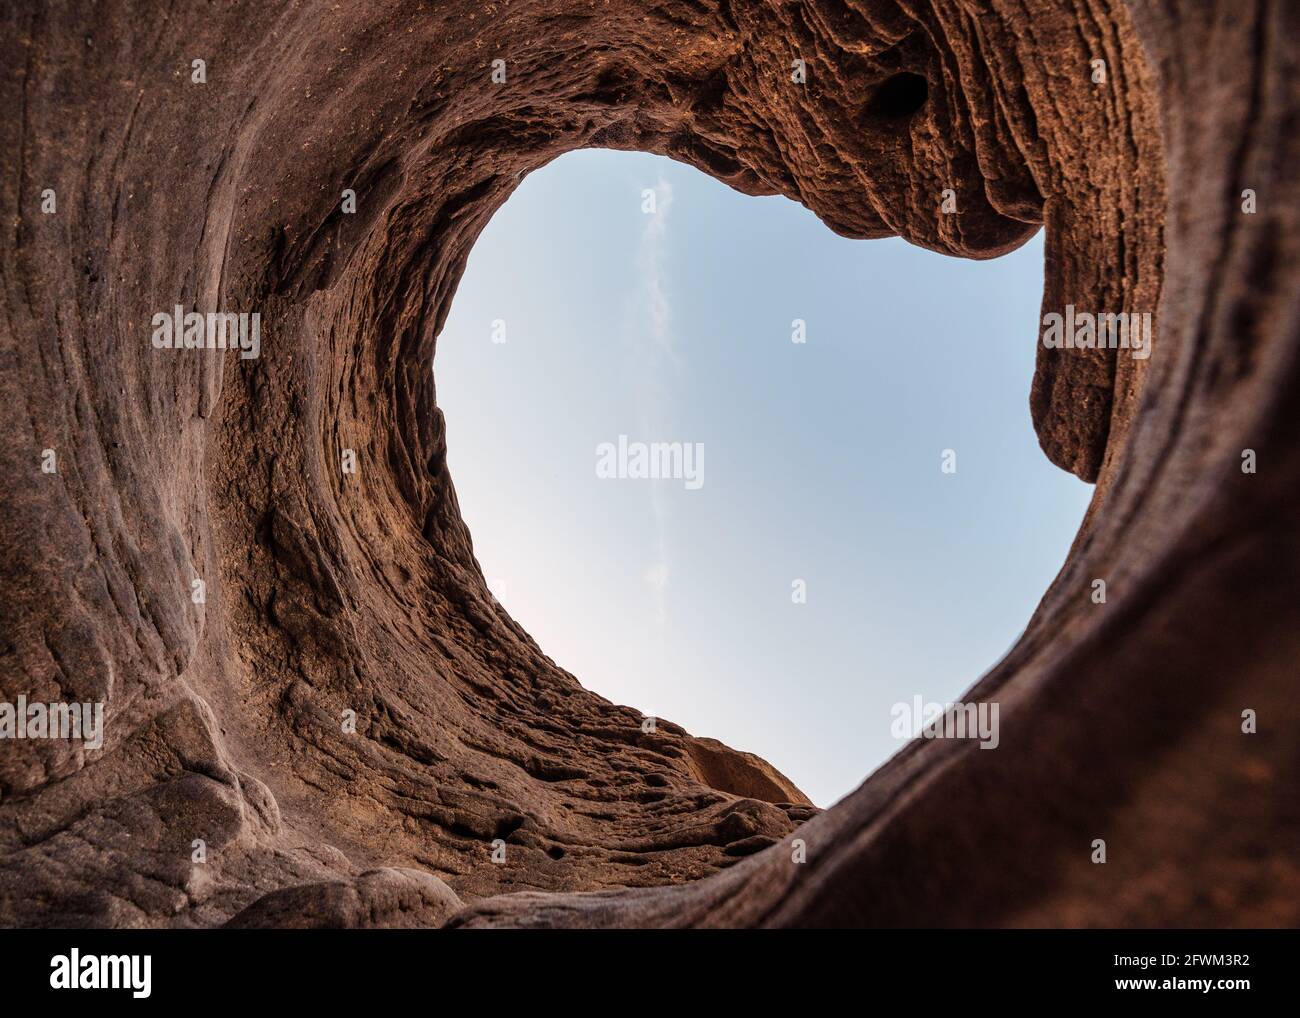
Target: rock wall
(307, 684)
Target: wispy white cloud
(653, 260)
(658, 357)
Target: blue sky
(821, 460)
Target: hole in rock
(899, 96)
(826, 569)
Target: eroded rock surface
(231, 786)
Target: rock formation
(317, 714)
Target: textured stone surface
(384, 898)
(329, 592)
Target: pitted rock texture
(333, 597)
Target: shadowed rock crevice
(347, 721)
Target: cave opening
(820, 564)
(307, 493)
(899, 96)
